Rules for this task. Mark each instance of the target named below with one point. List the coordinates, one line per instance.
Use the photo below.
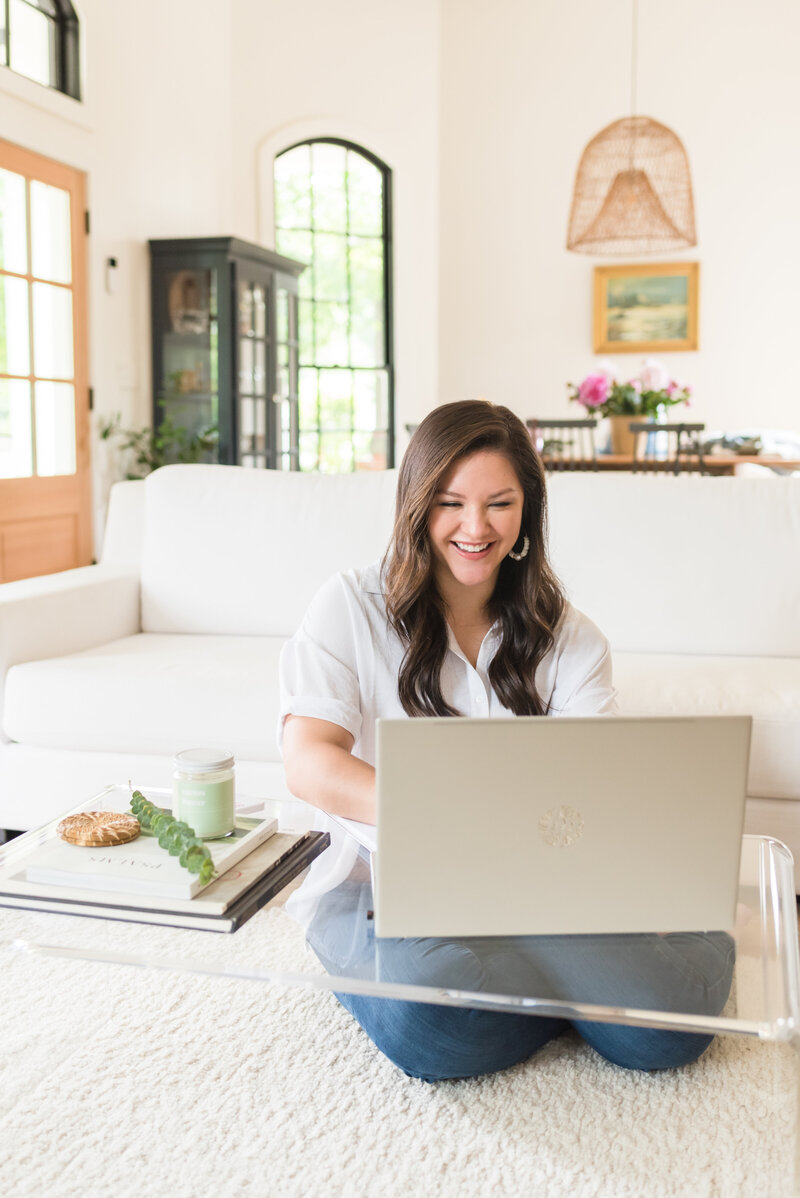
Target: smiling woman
(463, 617)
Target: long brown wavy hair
(527, 599)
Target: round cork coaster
(97, 828)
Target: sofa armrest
(55, 614)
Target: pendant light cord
(634, 46)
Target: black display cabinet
(225, 346)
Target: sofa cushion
(691, 564)
(767, 688)
(232, 550)
(151, 693)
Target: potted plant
(645, 396)
(149, 448)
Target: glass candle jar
(203, 791)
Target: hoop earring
(517, 557)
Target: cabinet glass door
(287, 455)
(189, 393)
(252, 348)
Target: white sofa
(172, 640)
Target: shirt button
(479, 698)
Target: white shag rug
(118, 1081)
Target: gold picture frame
(647, 308)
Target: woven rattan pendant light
(633, 190)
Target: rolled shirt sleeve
(583, 681)
(319, 664)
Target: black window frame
(67, 45)
(388, 276)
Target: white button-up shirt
(343, 663)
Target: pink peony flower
(593, 391)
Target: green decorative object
(161, 446)
(175, 836)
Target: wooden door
(45, 485)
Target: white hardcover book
(139, 867)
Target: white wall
(524, 86)
(368, 72)
(153, 135)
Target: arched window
(39, 39)
(332, 211)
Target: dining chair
(682, 442)
(564, 444)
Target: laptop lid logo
(561, 827)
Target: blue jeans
(688, 972)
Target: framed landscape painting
(644, 309)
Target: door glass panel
(260, 311)
(14, 333)
(16, 442)
(13, 223)
(261, 424)
(246, 365)
(282, 315)
(3, 37)
(260, 368)
(52, 331)
(245, 310)
(33, 46)
(55, 428)
(50, 233)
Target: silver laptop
(538, 825)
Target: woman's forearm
(327, 775)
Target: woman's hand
(321, 769)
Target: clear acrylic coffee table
(764, 1004)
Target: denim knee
(643, 1048)
(435, 1043)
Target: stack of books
(141, 883)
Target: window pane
(370, 400)
(306, 318)
(13, 223)
(298, 245)
(335, 453)
(293, 189)
(367, 345)
(50, 233)
(335, 399)
(16, 443)
(33, 43)
(330, 267)
(331, 334)
(55, 428)
(308, 399)
(14, 336)
(364, 196)
(52, 331)
(370, 451)
(329, 198)
(309, 451)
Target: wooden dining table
(717, 464)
